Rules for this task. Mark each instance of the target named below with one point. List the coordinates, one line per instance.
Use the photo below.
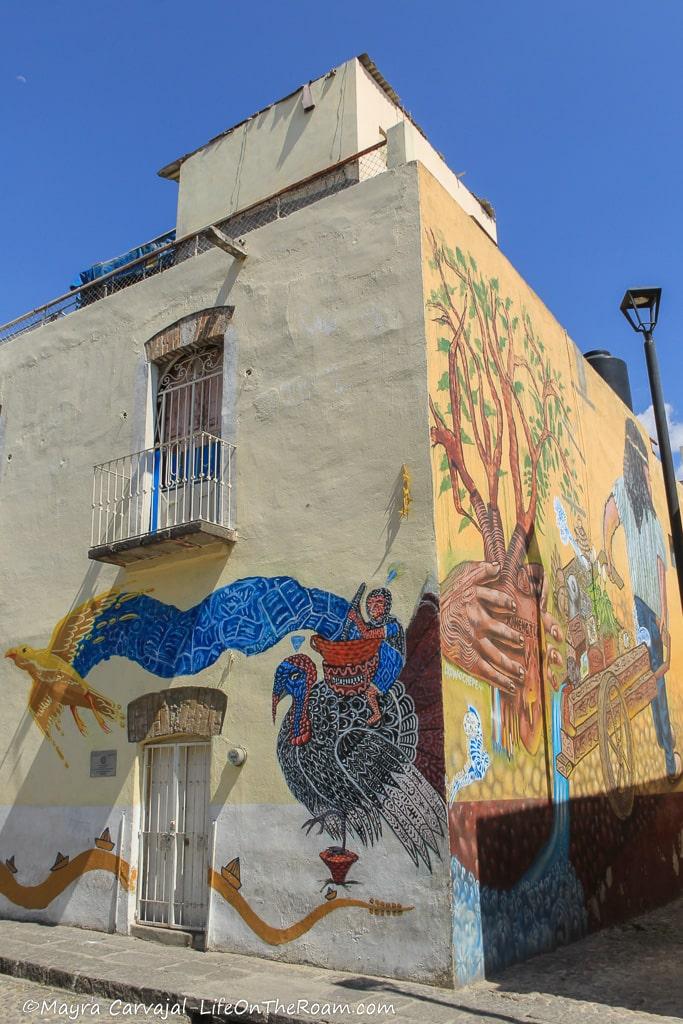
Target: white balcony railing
(188, 480)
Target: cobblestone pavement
(631, 974)
(27, 1002)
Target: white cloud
(647, 418)
(22, 78)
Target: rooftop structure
(343, 127)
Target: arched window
(189, 396)
(189, 467)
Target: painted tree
(506, 418)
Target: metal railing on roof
(352, 170)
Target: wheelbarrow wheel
(615, 738)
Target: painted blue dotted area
(249, 615)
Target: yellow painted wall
(491, 339)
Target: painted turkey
(352, 776)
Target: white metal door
(173, 886)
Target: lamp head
(640, 306)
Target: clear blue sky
(565, 114)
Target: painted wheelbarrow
(598, 712)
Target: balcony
(170, 497)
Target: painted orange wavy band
(38, 897)
(278, 936)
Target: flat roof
(172, 171)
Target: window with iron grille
(189, 396)
(188, 470)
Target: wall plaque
(102, 763)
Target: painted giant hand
(507, 417)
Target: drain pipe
(117, 890)
(212, 861)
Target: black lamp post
(640, 306)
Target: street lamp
(640, 306)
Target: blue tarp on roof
(106, 266)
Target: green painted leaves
(503, 386)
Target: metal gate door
(173, 886)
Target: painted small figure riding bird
(56, 683)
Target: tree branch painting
(507, 416)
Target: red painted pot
(346, 652)
(338, 862)
(348, 665)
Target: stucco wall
(274, 149)
(565, 791)
(375, 110)
(405, 144)
(327, 343)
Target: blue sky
(566, 115)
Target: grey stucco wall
(277, 147)
(327, 355)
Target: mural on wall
(492, 607)
(63, 873)
(615, 668)
(478, 760)
(361, 745)
(57, 684)
(630, 506)
(66, 870)
(249, 615)
(348, 743)
(504, 430)
(555, 624)
(227, 884)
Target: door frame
(177, 743)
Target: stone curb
(88, 984)
(83, 983)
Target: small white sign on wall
(102, 763)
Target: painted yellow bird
(56, 683)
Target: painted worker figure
(630, 505)
(392, 653)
